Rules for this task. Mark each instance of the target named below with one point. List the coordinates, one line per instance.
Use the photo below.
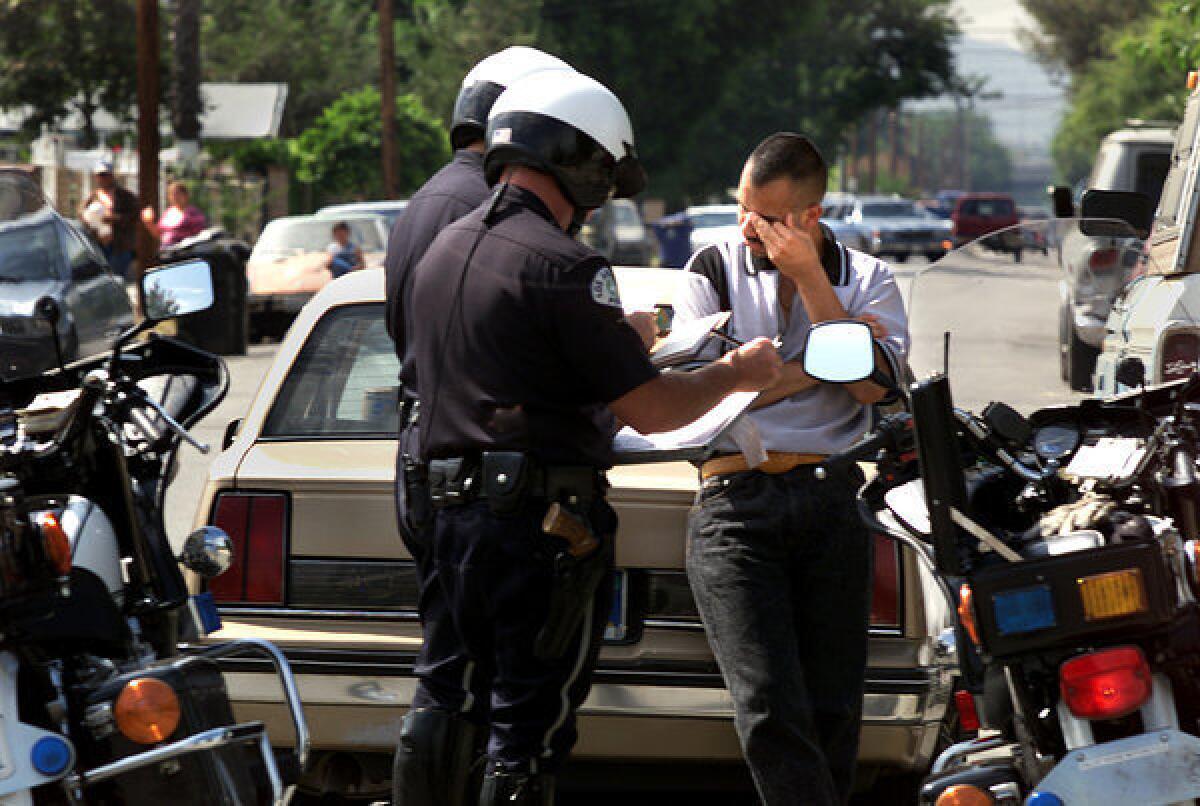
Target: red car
(978, 214)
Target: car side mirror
(176, 290)
(840, 351)
(1061, 201)
(1131, 373)
(208, 551)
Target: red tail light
(257, 524)
(1104, 260)
(968, 717)
(1180, 355)
(885, 595)
(1106, 684)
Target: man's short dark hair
(341, 225)
(787, 155)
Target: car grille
(912, 236)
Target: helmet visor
(629, 178)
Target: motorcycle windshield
(1006, 315)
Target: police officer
(523, 357)
(451, 193)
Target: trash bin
(674, 233)
(224, 328)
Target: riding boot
(435, 760)
(501, 788)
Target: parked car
(898, 228)
(43, 257)
(617, 232)
(290, 263)
(979, 214)
(835, 209)
(304, 488)
(388, 209)
(1155, 321)
(711, 223)
(1130, 159)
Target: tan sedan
(304, 489)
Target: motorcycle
(1061, 529)
(96, 703)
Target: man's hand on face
(788, 246)
(757, 364)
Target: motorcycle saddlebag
(233, 774)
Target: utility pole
(916, 163)
(873, 150)
(147, 123)
(185, 114)
(894, 143)
(851, 181)
(387, 88)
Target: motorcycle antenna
(946, 353)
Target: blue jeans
(780, 568)
(118, 261)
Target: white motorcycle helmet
(572, 127)
(484, 83)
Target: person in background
(180, 220)
(109, 215)
(344, 255)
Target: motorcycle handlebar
(894, 433)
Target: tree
(445, 38)
(61, 56)
(935, 135)
(339, 153)
(319, 48)
(186, 106)
(1074, 33)
(1143, 78)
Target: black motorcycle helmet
(573, 128)
(484, 83)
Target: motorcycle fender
(94, 543)
(1157, 767)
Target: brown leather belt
(777, 462)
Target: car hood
(17, 299)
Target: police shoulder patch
(604, 288)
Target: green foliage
(1074, 33)
(67, 55)
(705, 82)
(443, 40)
(937, 138)
(339, 153)
(1143, 78)
(251, 156)
(320, 48)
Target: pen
(777, 341)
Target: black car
(43, 256)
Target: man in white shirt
(777, 559)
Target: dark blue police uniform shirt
(451, 193)
(525, 350)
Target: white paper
(1110, 459)
(698, 434)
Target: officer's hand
(757, 364)
(646, 325)
(788, 246)
(878, 328)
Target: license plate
(1024, 610)
(616, 629)
(206, 612)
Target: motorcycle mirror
(839, 351)
(176, 290)
(208, 551)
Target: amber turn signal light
(147, 711)
(966, 612)
(964, 795)
(54, 538)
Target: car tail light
(1104, 260)
(1180, 355)
(1107, 684)
(885, 591)
(256, 524)
(968, 716)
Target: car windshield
(288, 236)
(989, 311)
(894, 209)
(28, 253)
(343, 383)
(987, 208)
(714, 219)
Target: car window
(343, 383)
(284, 237)
(82, 255)
(29, 253)
(988, 208)
(1152, 169)
(896, 209)
(1172, 192)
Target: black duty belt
(509, 479)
